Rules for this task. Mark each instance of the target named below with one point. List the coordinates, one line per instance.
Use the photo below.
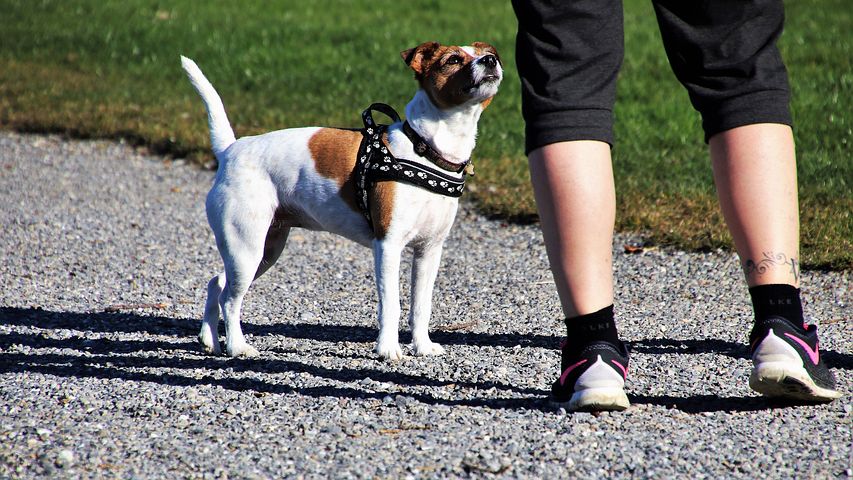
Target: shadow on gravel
(117, 322)
(108, 359)
(712, 403)
(133, 369)
(706, 403)
(709, 345)
(105, 322)
(336, 333)
(353, 333)
(834, 359)
(117, 359)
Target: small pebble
(65, 458)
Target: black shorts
(724, 52)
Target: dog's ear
(417, 58)
(487, 48)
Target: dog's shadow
(109, 359)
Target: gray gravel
(105, 255)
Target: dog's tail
(221, 133)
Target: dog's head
(453, 76)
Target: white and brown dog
(303, 177)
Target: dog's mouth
(489, 79)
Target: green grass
(111, 69)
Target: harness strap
(376, 163)
(381, 108)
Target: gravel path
(104, 255)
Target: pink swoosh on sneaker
(814, 355)
(621, 367)
(567, 371)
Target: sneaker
(592, 379)
(787, 364)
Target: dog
(304, 177)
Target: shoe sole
(783, 380)
(596, 399)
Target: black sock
(777, 300)
(593, 327)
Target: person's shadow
(108, 359)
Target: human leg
(575, 197)
(755, 173)
(756, 177)
(568, 56)
(576, 201)
(724, 53)
(737, 81)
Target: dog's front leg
(424, 272)
(386, 259)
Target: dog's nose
(489, 61)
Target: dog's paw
(243, 350)
(214, 349)
(389, 351)
(208, 343)
(427, 348)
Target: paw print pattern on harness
(370, 168)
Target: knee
(728, 61)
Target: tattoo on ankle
(769, 261)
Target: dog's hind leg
(424, 272)
(209, 335)
(240, 236)
(239, 273)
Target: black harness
(375, 163)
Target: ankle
(777, 300)
(597, 326)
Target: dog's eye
(454, 60)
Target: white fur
(221, 134)
(260, 174)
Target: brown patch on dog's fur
(418, 57)
(334, 152)
(381, 198)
